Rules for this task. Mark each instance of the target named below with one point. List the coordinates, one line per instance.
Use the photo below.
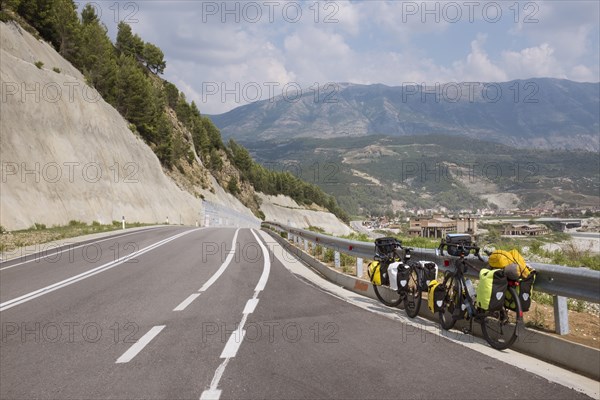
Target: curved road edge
(528, 363)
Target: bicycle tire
(500, 327)
(387, 296)
(413, 296)
(450, 302)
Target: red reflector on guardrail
(446, 263)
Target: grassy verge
(39, 233)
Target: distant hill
(544, 113)
(378, 173)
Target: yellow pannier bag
(503, 258)
(435, 296)
(374, 273)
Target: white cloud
(532, 62)
(366, 42)
(568, 27)
(581, 73)
(478, 66)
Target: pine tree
(215, 162)
(214, 136)
(65, 26)
(97, 58)
(154, 58)
(232, 186)
(9, 5)
(172, 94)
(135, 97)
(241, 158)
(128, 43)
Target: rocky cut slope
(66, 154)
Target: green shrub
(576, 305)
(541, 298)
(57, 70)
(318, 250)
(39, 64)
(74, 223)
(328, 256)
(347, 260)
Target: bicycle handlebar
(464, 249)
(397, 254)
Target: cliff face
(66, 154)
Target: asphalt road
(174, 313)
(358, 226)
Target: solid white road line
(267, 267)
(140, 344)
(223, 267)
(105, 267)
(68, 248)
(236, 338)
(186, 302)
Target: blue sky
(221, 54)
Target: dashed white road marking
(186, 302)
(140, 344)
(250, 306)
(237, 337)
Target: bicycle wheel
(387, 296)
(499, 328)
(450, 303)
(412, 299)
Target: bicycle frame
(499, 327)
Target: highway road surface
(359, 227)
(188, 313)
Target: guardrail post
(561, 315)
(336, 258)
(359, 267)
(305, 245)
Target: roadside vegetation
(39, 233)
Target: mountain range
(540, 112)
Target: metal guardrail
(557, 280)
